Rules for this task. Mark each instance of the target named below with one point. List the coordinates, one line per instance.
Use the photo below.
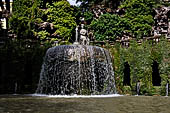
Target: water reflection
(123, 104)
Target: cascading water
(77, 69)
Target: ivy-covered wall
(140, 58)
(21, 63)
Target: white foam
(77, 96)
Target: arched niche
(156, 79)
(126, 71)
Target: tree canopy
(107, 27)
(139, 16)
(136, 20)
(61, 15)
(25, 13)
(108, 3)
(28, 16)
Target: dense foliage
(139, 16)
(107, 27)
(106, 3)
(27, 18)
(61, 15)
(136, 20)
(140, 59)
(22, 21)
(161, 54)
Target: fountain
(138, 87)
(76, 69)
(16, 88)
(167, 88)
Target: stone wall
(162, 22)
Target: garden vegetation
(25, 59)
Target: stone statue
(168, 29)
(82, 36)
(84, 40)
(161, 22)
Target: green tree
(25, 14)
(139, 13)
(107, 3)
(28, 16)
(107, 27)
(61, 15)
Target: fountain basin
(77, 69)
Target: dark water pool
(123, 104)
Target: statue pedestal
(76, 43)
